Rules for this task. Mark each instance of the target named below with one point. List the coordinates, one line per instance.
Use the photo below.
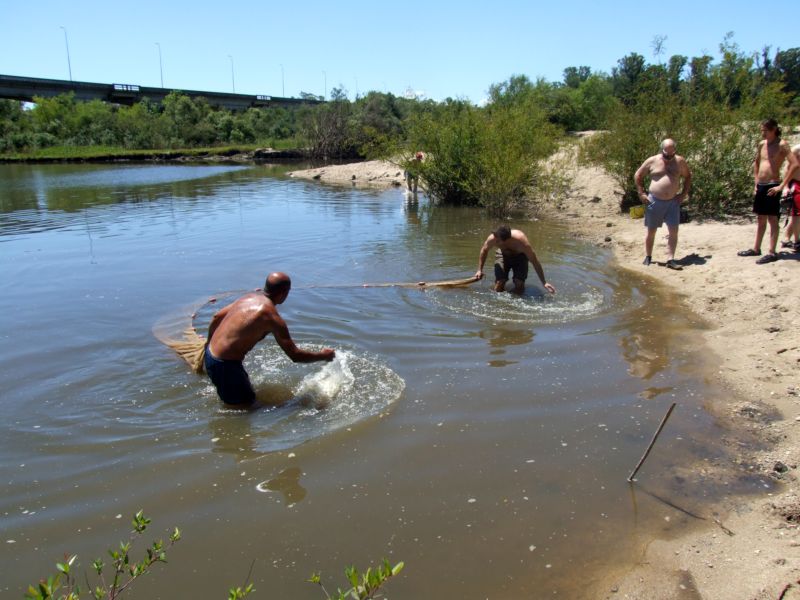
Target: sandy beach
(751, 548)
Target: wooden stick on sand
(652, 442)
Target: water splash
(301, 402)
(528, 308)
(318, 390)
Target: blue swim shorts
(659, 211)
(230, 379)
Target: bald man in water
(238, 327)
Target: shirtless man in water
(771, 154)
(513, 253)
(238, 327)
(663, 200)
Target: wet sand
(751, 551)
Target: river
(481, 438)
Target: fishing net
(177, 330)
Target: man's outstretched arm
(482, 256)
(537, 266)
(281, 333)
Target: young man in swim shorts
(770, 156)
(513, 253)
(238, 327)
(664, 198)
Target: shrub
(482, 157)
(63, 585)
(328, 128)
(718, 142)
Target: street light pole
(325, 75)
(283, 89)
(66, 43)
(160, 67)
(233, 84)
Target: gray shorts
(658, 212)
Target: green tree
(517, 89)
(626, 75)
(186, 120)
(700, 86)
(138, 126)
(55, 115)
(677, 64)
(330, 129)
(787, 64)
(734, 76)
(575, 76)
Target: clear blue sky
(455, 49)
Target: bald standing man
(238, 327)
(670, 182)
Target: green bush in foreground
(364, 586)
(125, 571)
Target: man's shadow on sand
(692, 259)
(786, 255)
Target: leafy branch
(364, 586)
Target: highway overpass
(25, 88)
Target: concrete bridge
(25, 88)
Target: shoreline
(753, 314)
(230, 154)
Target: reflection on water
(482, 438)
(500, 337)
(288, 484)
(653, 333)
(60, 187)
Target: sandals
(748, 252)
(671, 264)
(787, 244)
(767, 258)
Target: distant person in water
(513, 251)
(238, 327)
(664, 197)
(772, 152)
(412, 172)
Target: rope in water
(191, 346)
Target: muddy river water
(481, 438)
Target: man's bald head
(668, 145)
(277, 284)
